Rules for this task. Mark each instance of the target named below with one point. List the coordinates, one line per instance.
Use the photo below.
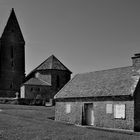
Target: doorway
(88, 114)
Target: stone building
(107, 98)
(45, 80)
(12, 58)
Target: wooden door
(89, 114)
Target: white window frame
(109, 108)
(119, 111)
(68, 108)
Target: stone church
(12, 58)
(44, 81)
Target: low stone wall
(8, 101)
(39, 102)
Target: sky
(85, 35)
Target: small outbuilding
(45, 80)
(107, 98)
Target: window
(108, 108)
(58, 81)
(11, 85)
(31, 89)
(119, 111)
(37, 75)
(68, 108)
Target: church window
(37, 75)
(58, 81)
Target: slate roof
(12, 29)
(36, 81)
(51, 63)
(112, 82)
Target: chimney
(136, 61)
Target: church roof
(112, 82)
(12, 29)
(51, 63)
(36, 81)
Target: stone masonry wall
(33, 92)
(137, 107)
(102, 119)
(74, 117)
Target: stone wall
(34, 92)
(59, 78)
(137, 107)
(74, 117)
(102, 119)
(12, 67)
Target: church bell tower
(12, 58)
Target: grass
(19, 122)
